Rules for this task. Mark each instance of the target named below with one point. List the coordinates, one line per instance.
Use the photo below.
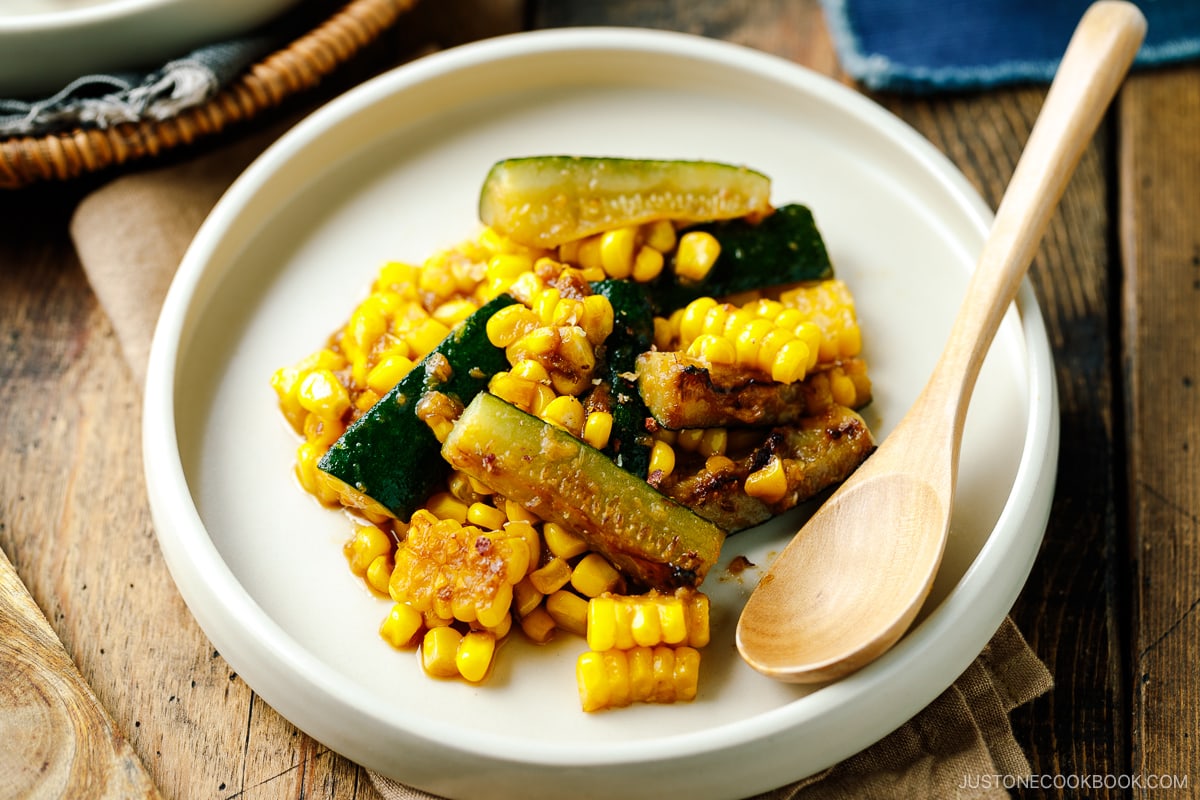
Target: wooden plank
(58, 740)
(1160, 241)
(793, 29)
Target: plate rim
(1042, 424)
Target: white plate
(392, 171)
(45, 44)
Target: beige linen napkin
(130, 236)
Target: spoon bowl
(853, 579)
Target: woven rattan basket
(299, 66)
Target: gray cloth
(101, 101)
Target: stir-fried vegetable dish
(551, 429)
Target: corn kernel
(427, 335)
(663, 659)
(664, 334)
(538, 625)
(712, 349)
(401, 625)
(439, 651)
(388, 372)
(321, 393)
(530, 370)
(509, 324)
(446, 506)
(592, 680)
(602, 622)
(768, 484)
(452, 312)
(597, 318)
(696, 254)
(501, 630)
(769, 347)
(518, 513)
(543, 396)
(662, 459)
(593, 576)
(551, 576)
(523, 529)
(597, 429)
(569, 611)
(367, 544)
(791, 362)
(513, 389)
(749, 338)
(322, 432)
(718, 464)
(526, 597)
(616, 665)
(473, 657)
(616, 251)
(562, 542)
(566, 412)
(697, 617)
(490, 616)
(508, 266)
(588, 253)
(645, 625)
(486, 516)
(647, 265)
(713, 441)
(660, 235)
(380, 572)
(526, 287)
(691, 322)
(843, 389)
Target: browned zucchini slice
(652, 539)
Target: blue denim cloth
(939, 45)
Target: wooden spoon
(853, 579)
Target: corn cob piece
(623, 622)
(618, 678)
(458, 571)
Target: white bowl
(391, 171)
(46, 44)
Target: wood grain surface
(1111, 604)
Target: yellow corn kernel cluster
(618, 678)
(458, 571)
(786, 338)
(635, 252)
(557, 326)
(623, 622)
(830, 306)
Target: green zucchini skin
(632, 334)
(392, 456)
(544, 201)
(784, 247)
(651, 538)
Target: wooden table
(1112, 605)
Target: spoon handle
(1092, 68)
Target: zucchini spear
(652, 539)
